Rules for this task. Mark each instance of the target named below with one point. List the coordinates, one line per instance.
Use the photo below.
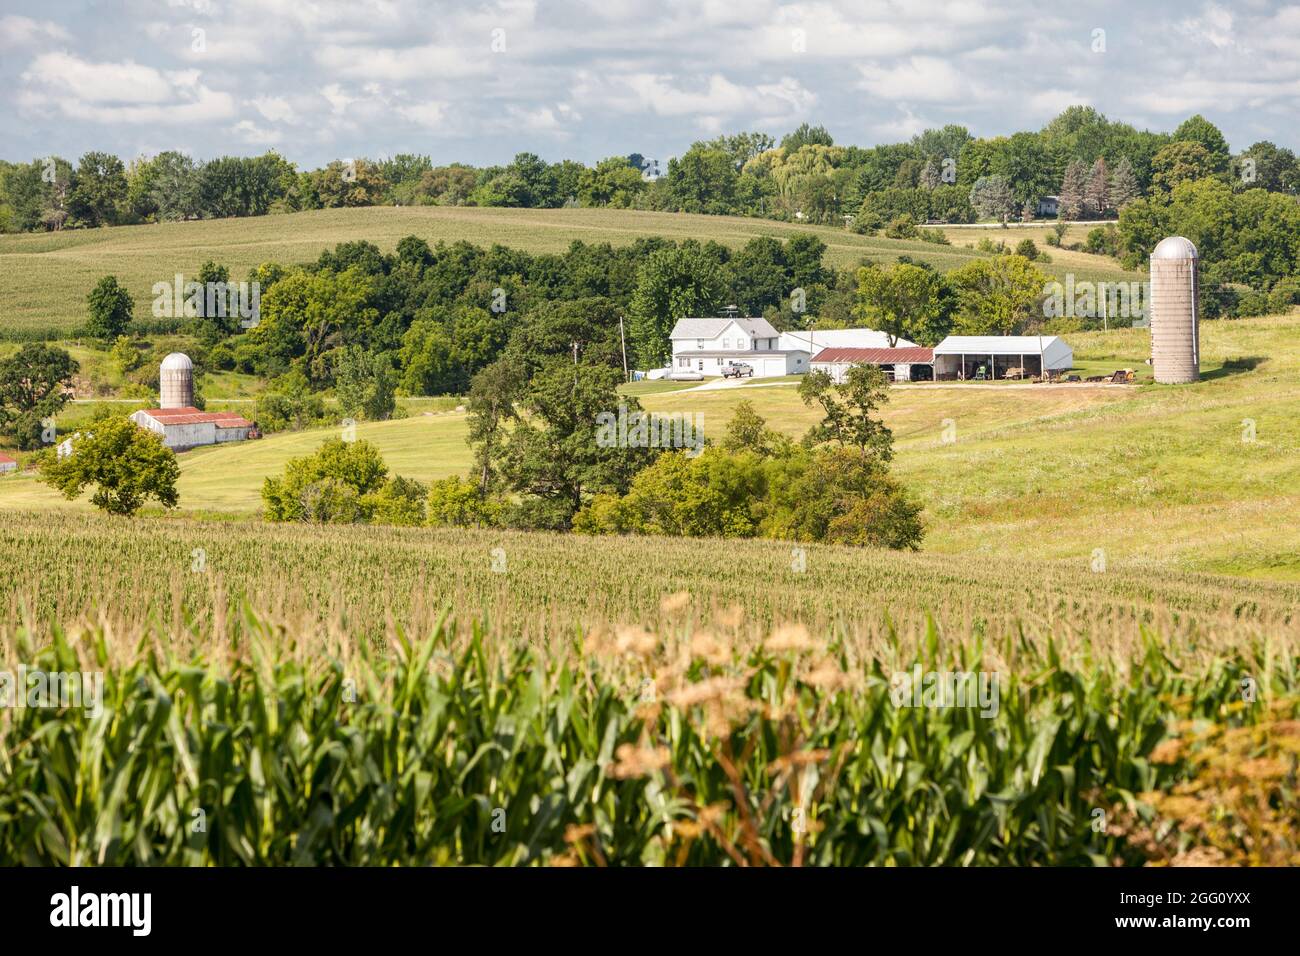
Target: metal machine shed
(897, 363)
(965, 356)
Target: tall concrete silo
(176, 381)
(1175, 338)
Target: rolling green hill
(1151, 475)
(44, 278)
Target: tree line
(1096, 166)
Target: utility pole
(575, 365)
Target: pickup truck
(737, 370)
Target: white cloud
(250, 132)
(398, 65)
(920, 79)
(125, 92)
(715, 96)
(274, 108)
(16, 31)
(430, 113)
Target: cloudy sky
(585, 79)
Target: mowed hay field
(44, 278)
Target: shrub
(326, 486)
(1028, 249)
(457, 503)
(1103, 241)
(399, 502)
(901, 227)
(276, 412)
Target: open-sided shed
(993, 357)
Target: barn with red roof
(899, 364)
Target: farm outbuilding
(898, 364)
(8, 465)
(181, 425)
(184, 428)
(966, 357)
(816, 341)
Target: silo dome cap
(1175, 247)
(176, 362)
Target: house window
(742, 344)
(726, 343)
(699, 343)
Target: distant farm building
(184, 428)
(1049, 206)
(707, 346)
(995, 357)
(8, 465)
(814, 342)
(181, 425)
(912, 363)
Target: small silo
(176, 381)
(1175, 338)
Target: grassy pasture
(1151, 474)
(44, 278)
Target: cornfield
(63, 566)
(629, 747)
(387, 697)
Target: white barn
(990, 357)
(707, 346)
(184, 428)
(814, 342)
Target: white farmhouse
(706, 346)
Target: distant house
(187, 427)
(8, 465)
(899, 365)
(1049, 206)
(966, 357)
(707, 346)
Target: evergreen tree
(1072, 190)
(930, 175)
(1096, 194)
(1123, 184)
